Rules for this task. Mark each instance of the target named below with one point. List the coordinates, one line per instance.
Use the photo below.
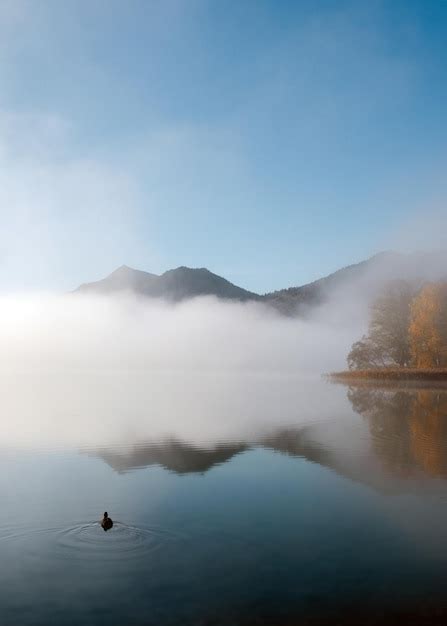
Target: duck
(106, 522)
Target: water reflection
(408, 428)
(269, 502)
(176, 456)
(400, 442)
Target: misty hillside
(174, 285)
(360, 281)
(297, 299)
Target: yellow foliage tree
(428, 326)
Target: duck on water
(106, 522)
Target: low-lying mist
(88, 370)
(78, 332)
(85, 371)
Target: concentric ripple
(121, 541)
(89, 541)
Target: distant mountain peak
(126, 269)
(184, 269)
(367, 277)
(123, 269)
(176, 284)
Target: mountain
(174, 285)
(297, 299)
(362, 281)
(359, 282)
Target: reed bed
(389, 374)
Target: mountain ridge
(176, 284)
(183, 283)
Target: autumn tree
(390, 318)
(387, 342)
(364, 355)
(428, 326)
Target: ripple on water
(89, 541)
(121, 541)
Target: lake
(236, 500)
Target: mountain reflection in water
(402, 438)
(175, 456)
(249, 501)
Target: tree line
(407, 328)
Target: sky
(272, 142)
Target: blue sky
(270, 141)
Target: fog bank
(84, 371)
(50, 333)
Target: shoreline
(391, 376)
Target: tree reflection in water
(408, 427)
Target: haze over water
(235, 498)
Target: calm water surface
(273, 500)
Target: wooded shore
(392, 374)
